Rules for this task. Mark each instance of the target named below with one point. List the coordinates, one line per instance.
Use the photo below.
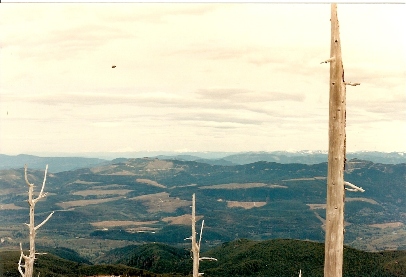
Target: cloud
(65, 43)
(244, 95)
(151, 12)
(213, 76)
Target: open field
(305, 179)
(150, 182)
(241, 186)
(387, 225)
(347, 199)
(185, 219)
(80, 203)
(161, 202)
(389, 236)
(83, 182)
(115, 223)
(102, 191)
(245, 205)
(362, 199)
(10, 207)
(317, 206)
(159, 165)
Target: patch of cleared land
(11, 190)
(322, 220)
(10, 207)
(241, 186)
(316, 206)
(123, 172)
(245, 205)
(347, 199)
(387, 225)
(161, 202)
(10, 175)
(142, 229)
(323, 206)
(80, 203)
(115, 223)
(159, 165)
(102, 192)
(150, 182)
(103, 168)
(83, 182)
(306, 179)
(185, 219)
(378, 237)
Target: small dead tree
(28, 264)
(196, 245)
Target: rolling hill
(241, 257)
(136, 201)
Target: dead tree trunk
(334, 239)
(195, 246)
(29, 260)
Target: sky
(228, 77)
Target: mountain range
(59, 164)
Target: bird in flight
(113, 66)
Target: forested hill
(132, 201)
(242, 257)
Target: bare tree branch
(328, 60)
(43, 222)
(208, 258)
(19, 262)
(352, 84)
(26, 178)
(43, 183)
(353, 187)
(201, 233)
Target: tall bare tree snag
(334, 240)
(29, 260)
(195, 245)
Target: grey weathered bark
(195, 246)
(334, 239)
(29, 260)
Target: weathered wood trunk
(29, 262)
(195, 246)
(334, 239)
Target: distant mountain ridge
(286, 157)
(56, 164)
(59, 164)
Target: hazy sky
(196, 77)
